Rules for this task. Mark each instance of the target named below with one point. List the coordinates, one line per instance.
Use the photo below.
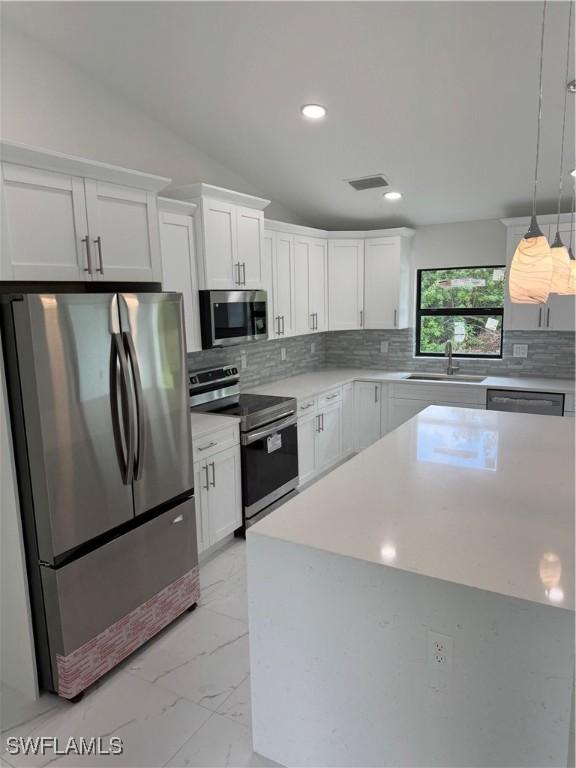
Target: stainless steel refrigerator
(98, 398)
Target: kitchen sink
(444, 377)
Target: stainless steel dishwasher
(516, 401)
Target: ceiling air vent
(368, 182)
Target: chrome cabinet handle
(205, 447)
(548, 318)
(315, 321)
(213, 481)
(361, 318)
(305, 407)
(331, 397)
(322, 416)
(375, 393)
(395, 318)
(283, 331)
(88, 268)
(540, 317)
(207, 486)
(318, 423)
(98, 242)
(243, 273)
(237, 268)
(311, 324)
(277, 318)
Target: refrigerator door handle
(141, 424)
(119, 390)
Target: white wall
(48, 103)
(460, 245)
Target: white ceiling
(439, 96)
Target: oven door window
(269, 463)
(239, 319)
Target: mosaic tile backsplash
(550, 353)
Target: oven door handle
(251, 437)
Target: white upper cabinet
(249, 229)
(310, 262)
(123, 231)
(229, 232)
(283, 281)
(345, 284)
(67, 218)
(45, 225)
(268, 279)
(179, 262)
(387, 282)
(559, 313)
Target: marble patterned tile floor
(182, 700)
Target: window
(463, 305)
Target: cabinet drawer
(213, 442)
(307, 406)
(331, 397)
(440, 393)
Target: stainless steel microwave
(232, 317)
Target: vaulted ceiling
(440, 97)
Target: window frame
(456, 311)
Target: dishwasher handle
(521, 401)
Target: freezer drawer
(513, 401)
(89, 595)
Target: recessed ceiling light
(573, 172)
(571, 86)
(314, 111)
(392, 195)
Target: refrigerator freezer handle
(141, 424)
(120, 387)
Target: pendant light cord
(565, 84)
(539, 108)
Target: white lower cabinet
(307, 429)
(217, 481)
(348, 418)
(328, 441)
(402, 409)
(370, 411)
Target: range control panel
(212, 376)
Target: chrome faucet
(450, 368)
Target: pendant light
(572, 279)
(561, 270)
(531, 269)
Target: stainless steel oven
(232, 317)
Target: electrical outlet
(520, 350)
(243, 360)
(440, 651)
(283, 353)
(384, 347)
(313, 348)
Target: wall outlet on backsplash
(243, 360)
(282, 353)
(384, 346)
(520, 350)
(313, 348)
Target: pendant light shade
(530, 273)
(531, 269)
(561, 270)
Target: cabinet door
(348, 419)
(45, 226)
(224, 493)
(384, 275)
(307, 432)
(368, 398)
(520, 317)
(402, 409)
(268, 281)
(179, 270)
(123, 228)
(201, 502)
(317, 283)
(562, 309)
(303, 321)
(220, 269)
(249, 230)
(329, 440)
(283, 265)
(345, 284)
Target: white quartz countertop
(204, 423)
(473, 497)
(310, 384)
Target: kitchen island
(416, 606)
